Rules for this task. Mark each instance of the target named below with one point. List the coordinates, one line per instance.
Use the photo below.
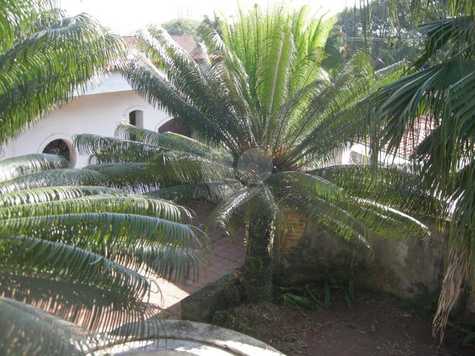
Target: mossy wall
(406, 267)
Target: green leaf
(34, 332)
(21, 165)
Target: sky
(128, 16)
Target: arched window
(136, 118)
(59, 147)
(176, 126)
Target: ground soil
(372, 326)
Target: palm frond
(31, 331)
(132, 133)
(391, 186)
(135, 177)
(318, 199)
(49, 194)
(172, 141)
(105, 231)
(181, 168)
(110, 149)
(153, 85)
(35, 257)
(170, 262)
(43, 68)
(54, 177)
(21, 165)
(339, 113)
(228, 207)
(101, 204)
(213, 192)
(330, 204)
(95, 309)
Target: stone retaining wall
(409, 268)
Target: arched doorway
(176, 126)
(61, 148)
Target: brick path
(227, 255)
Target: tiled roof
(187, 42)
(415, 135)
(412, 138)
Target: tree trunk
(258, 267)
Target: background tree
(388, 30)
(440, 87)
(264, 100)
(68, 243)
(181, 27)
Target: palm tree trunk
(452, 287)
(258, 267)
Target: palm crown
(270, 129)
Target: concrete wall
(99, 111)
(408, 267)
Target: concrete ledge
(201, 305)
(180, 337)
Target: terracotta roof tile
(187, 42)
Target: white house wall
(92, 113)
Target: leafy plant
(73, 246)
(273, 119)
(318, 296)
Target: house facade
(99, 111)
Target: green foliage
(40, 332)
(318, 296)
(73, 246)
(44, 58)
(388, 30)
(440, 88)
(181, 27)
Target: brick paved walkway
(227, 255)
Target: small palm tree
(440, 88)
(71, 242)
(271, 119)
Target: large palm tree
(71, 241)
(271, 120)
(440, 87)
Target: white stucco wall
(99, 112)
(360, 154)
